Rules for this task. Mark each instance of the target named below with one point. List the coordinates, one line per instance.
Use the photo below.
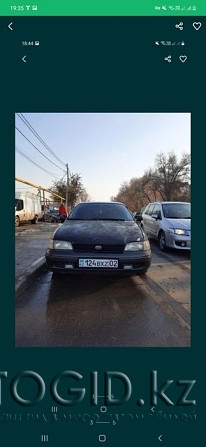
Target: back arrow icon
(24, 58)
(10, 27)
(160, 438)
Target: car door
(20, 209)
(156, 218)
(147, 219)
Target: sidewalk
(31, 243)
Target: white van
(27, 207)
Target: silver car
(169, 223)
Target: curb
(30, 274)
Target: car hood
(182, 224)
(99, 232)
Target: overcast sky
(106, 149)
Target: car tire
(17, 221)
(162, 241)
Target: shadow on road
(67, 287)
(95, 310)
(170, 254)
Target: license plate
(98, 263)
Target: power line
(38, 149)
(27, 123)
(61, 180)
(35, 163)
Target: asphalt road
(97, 310)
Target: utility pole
(44, 206)
(67, 188)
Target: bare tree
(76, 191)
(84, 196)
(172, 178)
(169, 180)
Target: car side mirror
(156, 216)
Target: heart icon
(197, 25)
(183, 58)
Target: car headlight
(60, 245)
(136, 246)
(179, 231)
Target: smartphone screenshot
(102, 305)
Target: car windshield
(177, 210)
(100, 211)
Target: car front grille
(91, 248)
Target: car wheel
(17, 221)
(162, 241)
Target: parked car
(169, 223)
(139, 213)
(100, 237)
(62, 217)
(138, 217)
(51, 216)
(135, 214)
